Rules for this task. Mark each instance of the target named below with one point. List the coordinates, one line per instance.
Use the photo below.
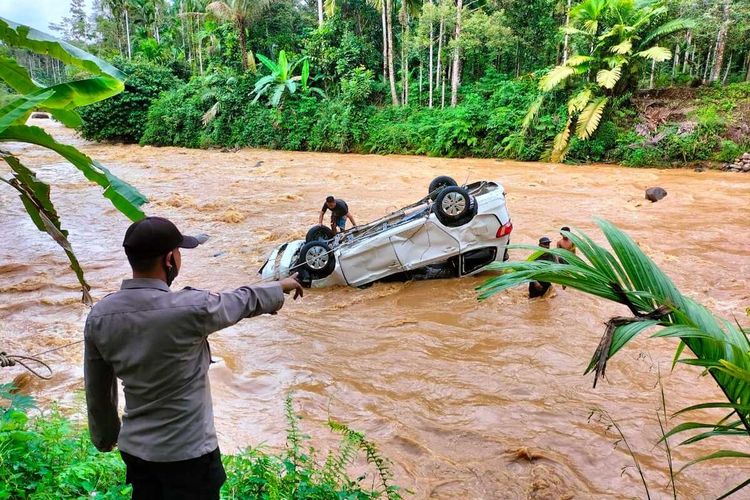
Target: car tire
(319, 233)
(316, 260)
(438, 183)
(454, 206)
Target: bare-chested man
(564, 242)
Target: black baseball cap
(155, 236)
(544, 239)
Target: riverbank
(468, 399)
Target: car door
(423, 243)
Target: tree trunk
(420, 81)
(747, 77)
(708, 63)
(442, 91)
(432, 41)
(456, 70)
(676, 61)
(156, 22)
(651, 80)
(567, 36)
(441, 34)
(243, 43)
(127, 31)
(200, 56)
(391, 73)
(721, 41)
(385, 43)
(688, 40)
(726, 72)
(320, 13)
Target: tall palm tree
(242, 13)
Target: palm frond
(578, 59)
(555, 76)
(656, 53)
(531, 113)
(560, 144)
(588, 120)
(668, 28)
(578, 102)
(608, 78)
(626, 275)
(220, 10)
(623, 47)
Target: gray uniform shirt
(155, 341)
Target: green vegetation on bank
(50, 456)
(521, 79)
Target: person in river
(156, 341)
(539, 288)
(339, 213)
(564, 242)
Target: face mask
(171, 271)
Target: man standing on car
(339, 213)
(156, 341)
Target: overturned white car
(453, 231)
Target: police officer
(156, 341)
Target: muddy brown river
(468, 399)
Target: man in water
(564, 242)
(156, 341)
(539, 288)
(339, 213)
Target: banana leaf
(123, 196)
(35, 197)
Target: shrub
(49, 457)
(52, 457)
(175, 118)
(123, 117)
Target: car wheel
(319, 233)
(454, 206)
(438, 183)
(316, 259)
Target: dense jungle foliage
(539, 79)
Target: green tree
(282, 78)
(614, 38)
(242, 13)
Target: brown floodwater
(468, 399)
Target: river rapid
(468, 399)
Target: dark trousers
(195, 479)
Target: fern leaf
(588, 120)
(608, 78)
(579, 101)
(555, 76)
(622, 48)
(656, 54)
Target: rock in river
(655, 194)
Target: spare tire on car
(319, 233)
(454, 206)
(438, 183)
(316, 260)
